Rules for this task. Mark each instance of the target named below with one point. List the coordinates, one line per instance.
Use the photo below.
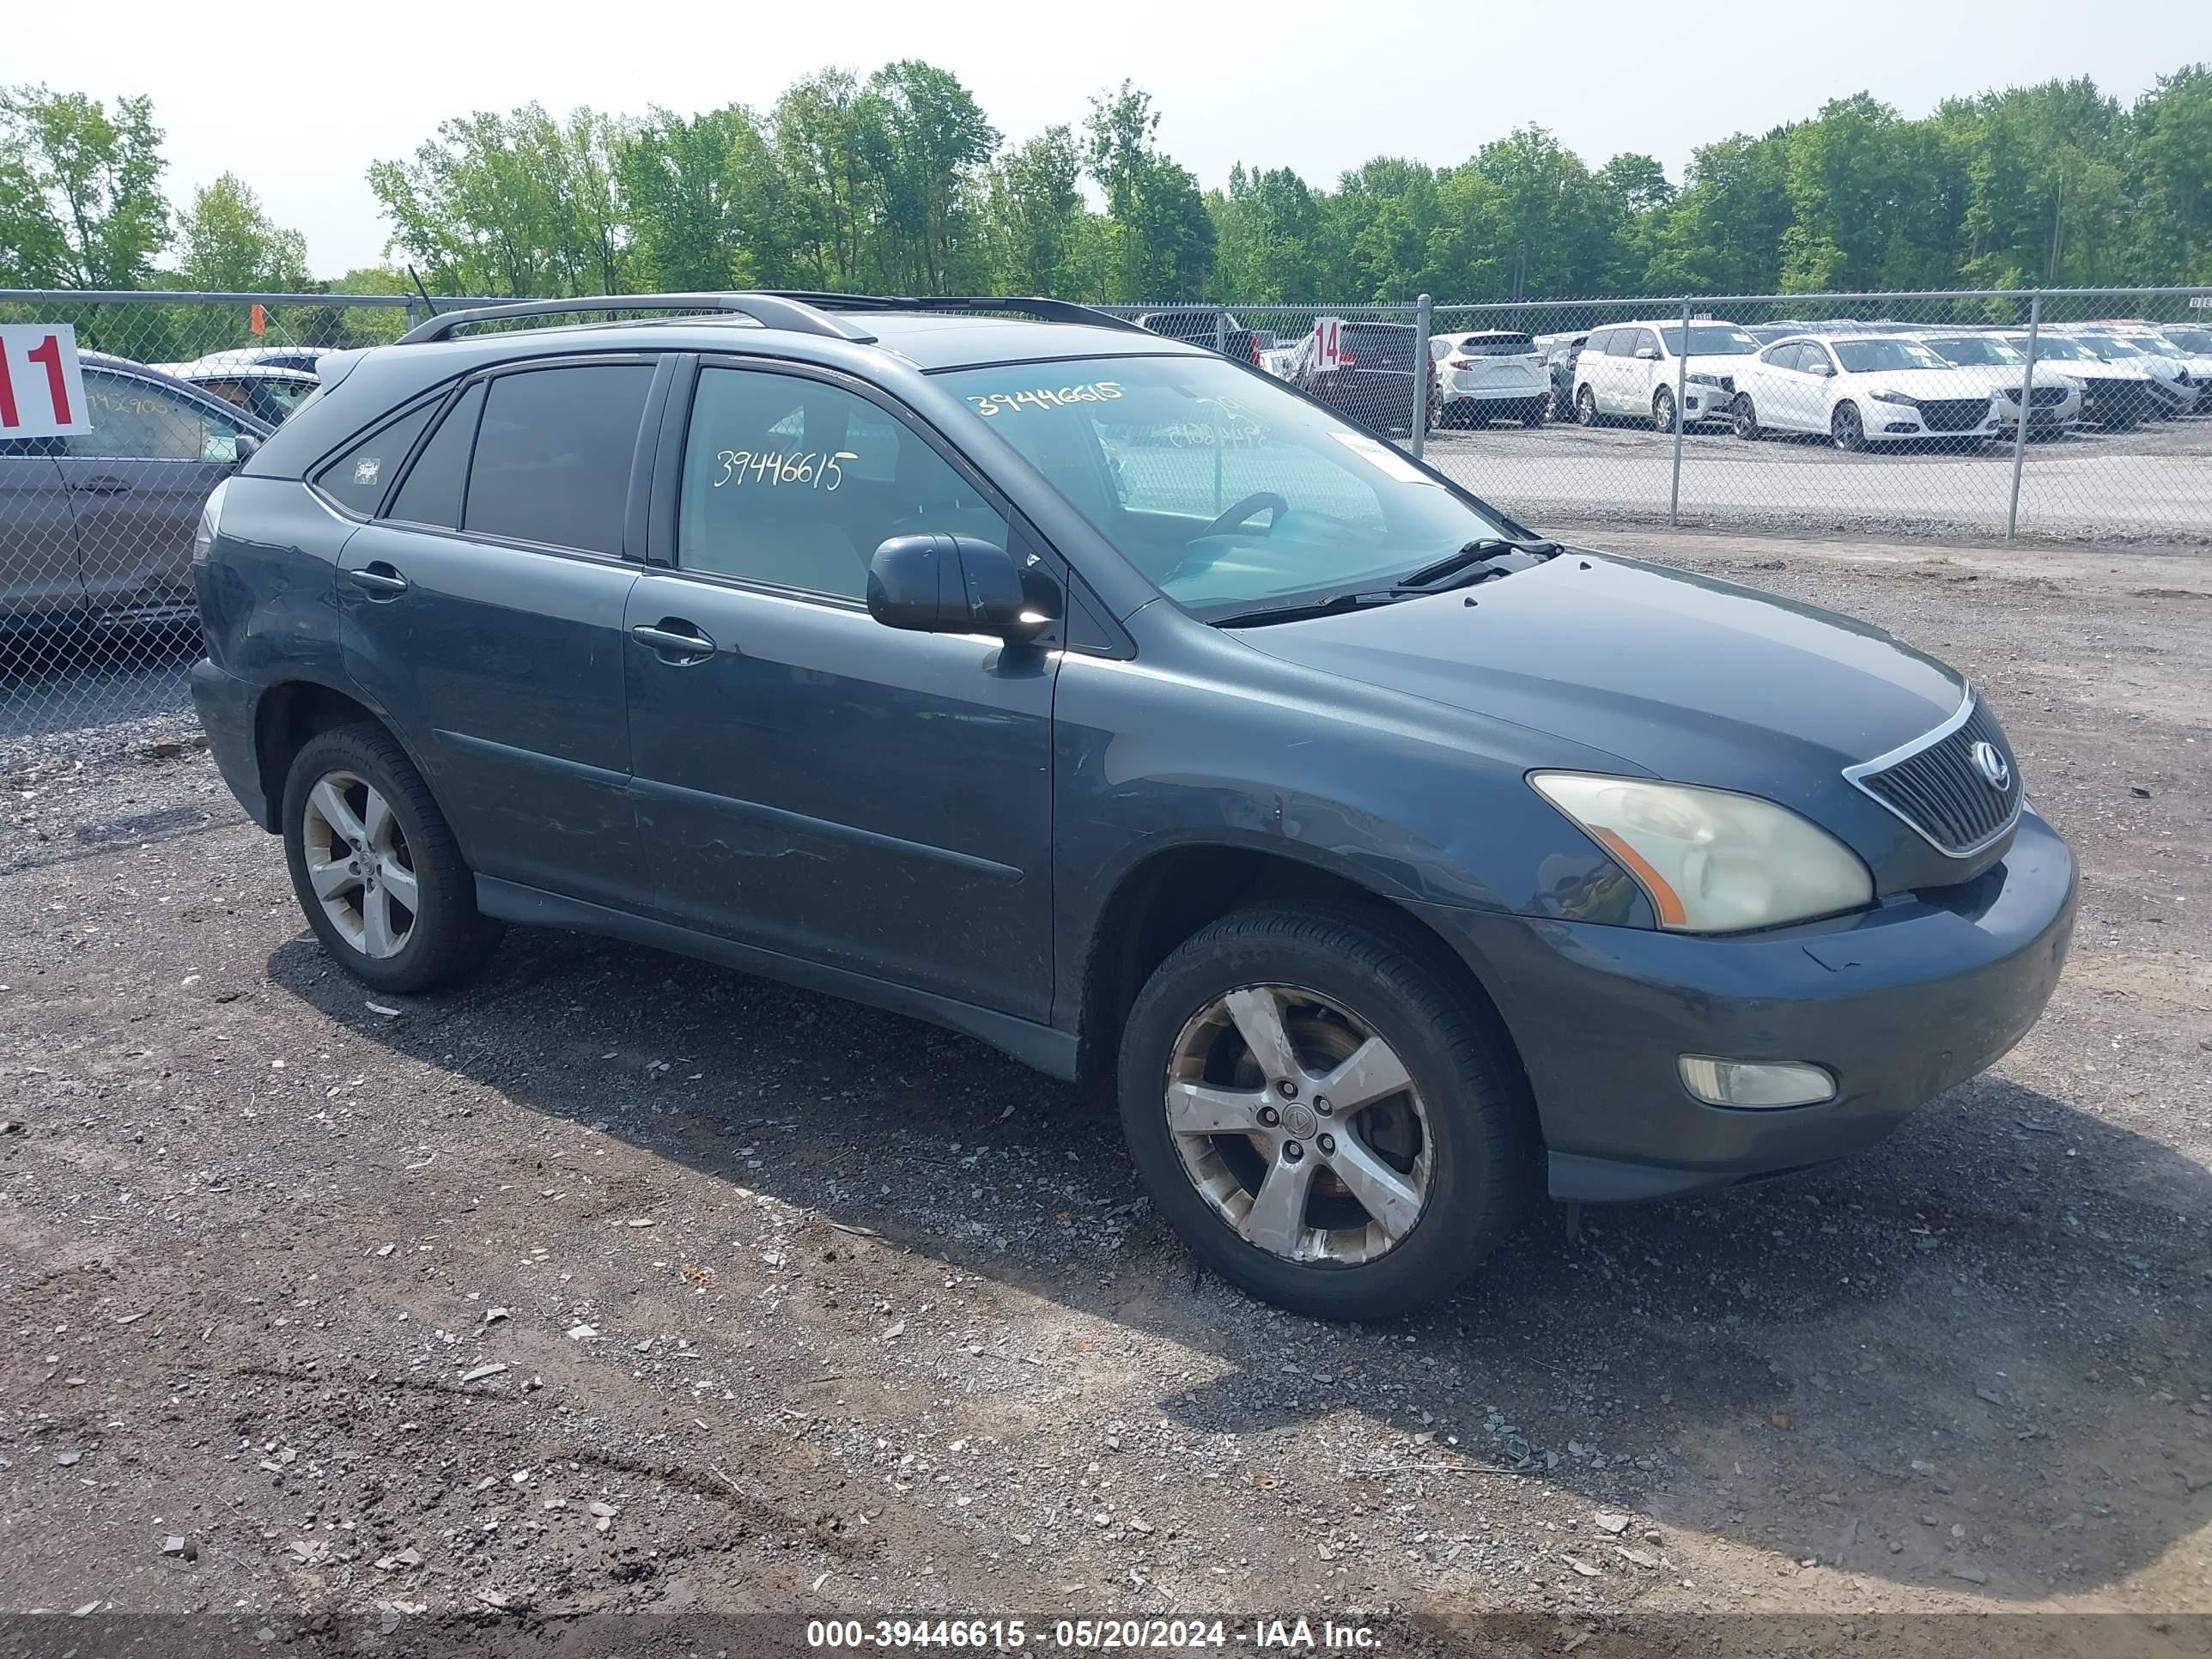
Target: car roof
(1489, 334)
(202, 370)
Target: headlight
(1711, 862)
(1888, 397)
(1706, 380)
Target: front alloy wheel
(1662, 410)
(1325, 1115)
(1298, 1124)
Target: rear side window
(359, 477)
(1600, 344)
(553, 455)
(432, 494)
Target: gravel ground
(2152, 484)
(615, 1283)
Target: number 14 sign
(42, 394)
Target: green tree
(935, 144)
(703, 201)
(1034, 214)
(829, 143)
(81, 202)
(225, 241)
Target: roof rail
(1044, 310)
(784, 310)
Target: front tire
(1662, 410)
(1847, 428)
(1361, 1206)
(374, 864)
(1586, 407)
(1743, 419)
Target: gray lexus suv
(999, 663)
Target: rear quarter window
(359, 477)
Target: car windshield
(1976, 348)
(1710, 340)
(1863, 356)
(2057, 346)
(2197, 340)
(2105, 346)
(2151, 345)
(1227, 491)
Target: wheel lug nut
(1270, 1116)
(1292, 1151)
(1321, 1105)
(1328, 1145)
(1288, 1090)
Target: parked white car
(1862, 389)
(2172, 391)
(1631, 369)
(2055, 400)
(2194, 342)
(1491, 374)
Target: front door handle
(675, 641)
(100, 484)
(379, 580)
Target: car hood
(2009, 376)
(1731, 363)
(1681, 676)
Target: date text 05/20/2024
(1094, 1635)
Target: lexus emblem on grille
(1996, 771)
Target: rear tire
(375, 865)
(1585, 407)
(1440, 1101)
(1847, 428)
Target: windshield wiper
(1474, 553)
(1332, 605)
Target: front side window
(553, 455)
(135, 421)
(795, 483)
(1222, 488)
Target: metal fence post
(1682, 385)
(2027, 415)
(1221, 332)
(1424, 319)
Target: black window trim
(668, 479)
(311, 475)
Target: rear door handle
(102, 484)
(379, 580)
(675, 641)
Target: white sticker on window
(365, 471)
(1383, 456)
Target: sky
(298, 101)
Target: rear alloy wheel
(1743, 419)
(1662, 410)
(1586, 406)
(1846, 427)
(375, 867)
(1319, 1118)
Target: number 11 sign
(42, 394)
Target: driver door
(807, 781)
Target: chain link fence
(2077, 414)
(97, 620)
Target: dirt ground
(615, 1283)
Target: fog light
(1755, 1082)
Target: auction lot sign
(41, 393)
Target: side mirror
(1649, 354)
(247, 443)
(958, 584)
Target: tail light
(211, 520)
(1459, 362)
(1258, 362)
(1345, 360)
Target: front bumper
(1899, 1004)
(226, 706)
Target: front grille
(1727, 384)
(2041, 396)
(1940, 792)
(1954, 414)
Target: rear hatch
(1494, 366)
(1375, 385)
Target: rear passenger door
(809, 781)
(39, 574)
(483, 609)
